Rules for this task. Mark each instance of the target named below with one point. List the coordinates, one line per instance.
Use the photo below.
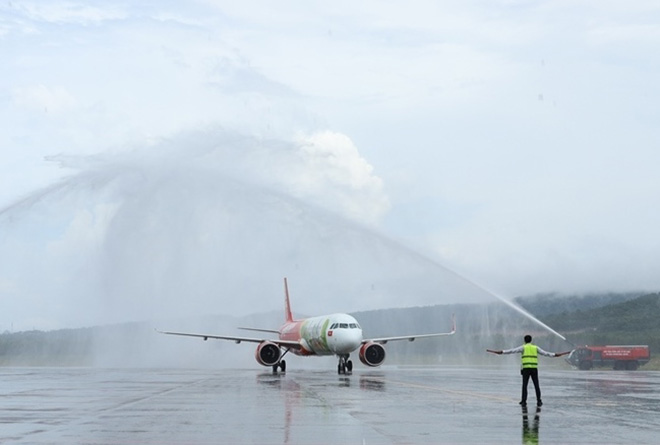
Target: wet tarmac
(391, 405)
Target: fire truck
(628, 357)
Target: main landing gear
(281, 364)
(345, 366)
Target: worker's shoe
(539, 403)
(523, 403)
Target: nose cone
(346, 341)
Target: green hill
(543, 305)
(640, 314)
(634, 321)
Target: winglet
(287, 305)
(453, 323)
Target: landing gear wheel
(345, 366)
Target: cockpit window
(344, 326)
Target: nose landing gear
(345, 366)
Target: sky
(166, 158)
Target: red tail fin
(287, 305)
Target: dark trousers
(534, 374)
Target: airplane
(335, 334)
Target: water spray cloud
(210, 222)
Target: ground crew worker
(530, 363)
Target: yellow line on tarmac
(476, 395)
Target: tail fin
(287, 305)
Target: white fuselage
(336, 334)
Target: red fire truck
(618, 357)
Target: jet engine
(267, 354)
(372, 354)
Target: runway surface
(392, 405)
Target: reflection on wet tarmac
(530, 433)
(388, 405)
(344, 381)
(372, 382)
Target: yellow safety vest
(530, 356)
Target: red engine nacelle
(372, 354)
(268, 354)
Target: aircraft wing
(384, 340)
(272, 331)
(283, 343)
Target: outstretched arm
(492, 351)
(551, 354)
